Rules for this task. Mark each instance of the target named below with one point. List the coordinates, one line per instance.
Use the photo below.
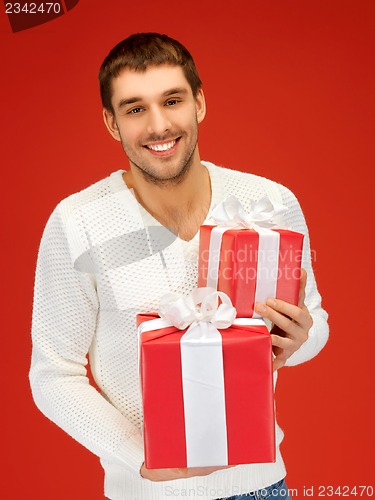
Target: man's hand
(183, 473)
(291, 324)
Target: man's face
(156, 119)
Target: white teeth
(162, 147)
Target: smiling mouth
(162, 146)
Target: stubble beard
(149, 174)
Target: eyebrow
(132, 100)
(175, 91)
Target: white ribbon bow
(230, 213)
(201, 306)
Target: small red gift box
(208, 398)
(250, 265)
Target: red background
(290, 92)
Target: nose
(158, 122)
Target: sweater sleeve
(318, 333)
(64, 319)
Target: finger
(278, 362)
(276, 350)
(302, 288)
(300, 316)
(290, 310)
(162, 474)
(278, 318)
(283, 343)
(292, 342)
(205, 471)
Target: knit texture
(102, 260)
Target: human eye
(135, 111)
(172, 102)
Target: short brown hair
(138, 52)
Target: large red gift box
(175, 435)
(250, 265)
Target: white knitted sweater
(102, 260)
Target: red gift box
(177, 434)
(251, 265)
(246, 256)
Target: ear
(200, 104)
(111, 124)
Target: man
(112, 250)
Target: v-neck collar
(216, 196)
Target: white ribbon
(202, 368)
(230, 214)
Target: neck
(192, 193)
